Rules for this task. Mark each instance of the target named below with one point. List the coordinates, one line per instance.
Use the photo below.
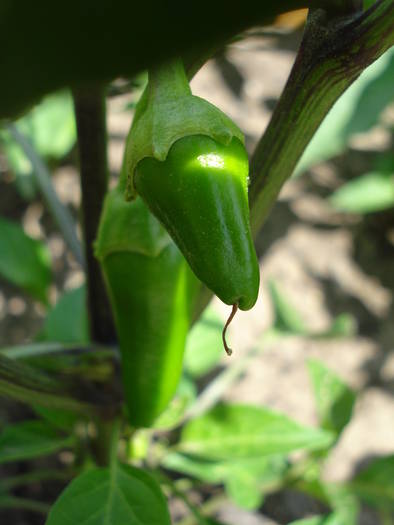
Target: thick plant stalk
(90, 116)
(26, 384)
(333, 53)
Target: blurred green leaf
(240, 431)
(119, 495)
(19, 165)
(330, 519)
(67, 322)
(243, 488)
(365, 194)
(316, 520)
(61, 419)
(204, 347)
(24, 261)
(287, 318)
(375, 484)
(343, 502)
(344, 325)
(185, 395)
(358, 109)
(30, 439)
(36, 349)
(375, 96)
(12, 502)
(207, 470)
(334, 399)
(339, 497)
(368, 3)
(42, 177)
(264, 469)
(245, 479)
(49, 126)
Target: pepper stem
(168, 80)
(231, 316)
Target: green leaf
(240, 431)
(173, 415)
(330, 519)
(19, 164)
(368, 3)
(375, 484)
(30, 439)
(265, 469)
(67, 322)
(287, 319)
(204, 347)
(49, 126)
(24, 261)
(365, 194)
(344, 325)
(375, 96)
(343, 502)
(243, 488)
(316, 520)
(351, 114)
(12, 502)
(61, 419)
(245, 480)
(207, 470)
(36, 349)
(116, 496)
(334, 399)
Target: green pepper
(187, 160)
(152, 292)
(200, 195)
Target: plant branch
(37, 349)
(333, 53)
(26, 384)
(90, 115)
(36, 476)
(12, 502)
(42, 177)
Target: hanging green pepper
(152, 292)
(187, 161)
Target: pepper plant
(177, 227)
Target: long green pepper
(152, 292)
